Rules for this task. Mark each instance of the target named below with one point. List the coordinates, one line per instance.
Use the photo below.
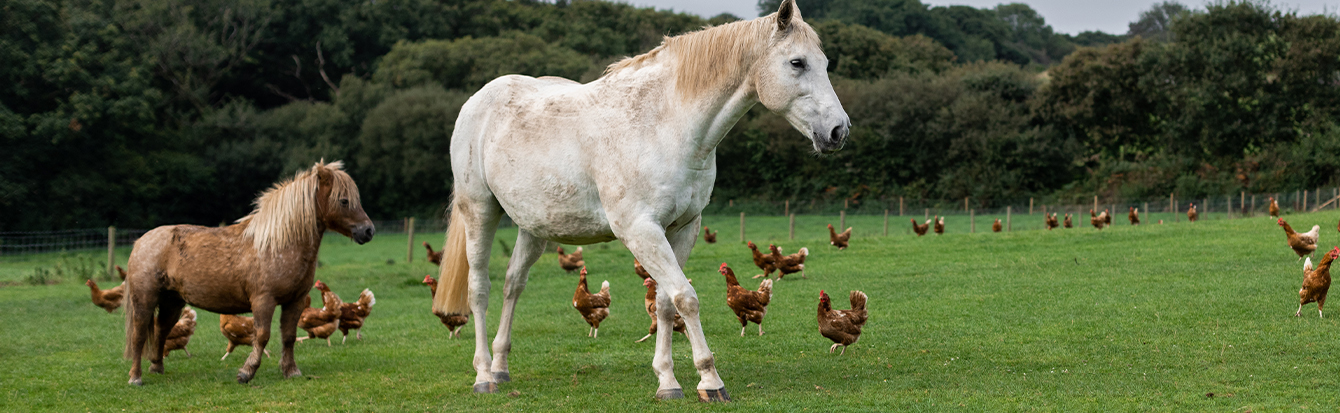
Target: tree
(1156, 23)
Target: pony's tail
(453, 286)
(128, 303)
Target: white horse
(629, 156)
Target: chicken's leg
(595, 333)
(760, 329)
(834, 347)
(741, 331)
(1299, 313)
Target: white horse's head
(791, 78)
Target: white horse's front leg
(527, 251)
(649, 244)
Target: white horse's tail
(453, 285)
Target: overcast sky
(1065, 16)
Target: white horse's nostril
(839, 133)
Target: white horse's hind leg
(527, 251)
(482, 223)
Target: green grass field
(1130, 318)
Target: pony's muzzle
(364, 233)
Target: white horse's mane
(713, 57)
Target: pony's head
(341, 210)
(298, 210)
(791, 79)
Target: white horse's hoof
(138, 382)
(709, 396)
(669, 394)
(502, 377)
(486, 387)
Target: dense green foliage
(1063, 320)
(144, 112)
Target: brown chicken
(1274, 208)
(321, 322)
(1302, 244)
(593, 307)
(839, 240)
(454, 321)
(1095, 220)
(1107, 218)
(1051, 222)
(570, 262)
(1134, 216)
(842, 326)
(1191, 214)
(434, 257)
(649, 302)
(709, 236)
(765, 262)
(239, 330)
(995, 227)
(939, 225)
(748, 305)
(109, 299)
(1068, 223)
(181, 333)
(352, 315)
(921, 229)
(1316, 282)
(789, 264)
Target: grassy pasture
(1129, 318)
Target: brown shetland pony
(266, 259)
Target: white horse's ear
(786, 13)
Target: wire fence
(960, 216)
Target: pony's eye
(344, 202)
(798, 63)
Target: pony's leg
(527, 251)
(288, 334)
(663, 257)
(262, 310)
(140, 318)
(482, 222)
(169, 310)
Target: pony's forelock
(717, 56)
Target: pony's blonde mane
(286, 213)
(715, 57)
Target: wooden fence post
(1007, 219)
(842, 220)
(844, 204)
(111, 251)
(741, 227)
(788, 208)
(886, 222)
(409, 229)
(928, 213)
(1030, 205)
(1229, 210)
(1304, 201)
(1095, 204)
(900, 206)
(1146, 212)
(1242, 203)
(792, 232)
(965, 204)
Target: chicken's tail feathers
(1307, 265)
(804, 252)
(366, 298)
(453, 280)
(605, 288)
(766, 287)
(857, 300)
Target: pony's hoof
(486, 388)
(295, 373)
(669, 394)
(156, 368)
(136, 382)
(502, 377)
(709, 396)
(243, 378)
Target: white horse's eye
(798, 63)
